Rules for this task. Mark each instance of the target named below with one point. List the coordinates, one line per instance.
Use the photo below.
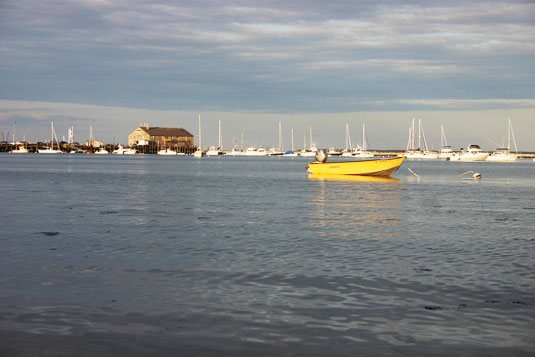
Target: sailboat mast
(220, 138)
(419, 133)
(200, 136)
(280, 135)
(512, 134)
(364, 141)
(54, 135)
(310, 138)
(292, 140)
(348, 138)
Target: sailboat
(414, 152)
(236, 149)
(445, 150)
(215, 151)
(291, 153)
(348, 151)
(312, 150)
(278, 150)
(199, 152)
(51, 150)
(504, 153)
(21, 149)
(362, 151)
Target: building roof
(159, 131)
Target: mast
(220, 146)
(512, 134)
(443, 141)
(419, 134)
(280, 135)
(348, 139)
(200, 137)
(310, 138)
(411, 143)
(292, 139)
(423, 136)
(53, 135)
(364, 141)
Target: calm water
(249, 256)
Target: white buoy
(476, 175)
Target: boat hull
(379, 167)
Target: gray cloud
(266, 55)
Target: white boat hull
(469, 157)
(502, 157)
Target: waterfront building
(161, 138)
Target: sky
(112, 64)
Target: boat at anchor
(374, 167)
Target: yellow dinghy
(379, 167)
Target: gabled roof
(159, 131)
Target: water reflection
(355, 206)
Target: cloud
(273, 55)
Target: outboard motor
(320, 156)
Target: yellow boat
(378, 167)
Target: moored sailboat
(199, 152)
(504, 153)
(51, 150)
(414, 152)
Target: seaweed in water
(49, 234)
(433, 308)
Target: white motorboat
(253, 151)
(474, 153)
(122, 151)
(360, 152)
(20, 150)
(129, 151)
(309, 153)
(101, 151)
(235, 151)
(334, 152)
(167, 152)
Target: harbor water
(152, 255)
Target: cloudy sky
(468, 65)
